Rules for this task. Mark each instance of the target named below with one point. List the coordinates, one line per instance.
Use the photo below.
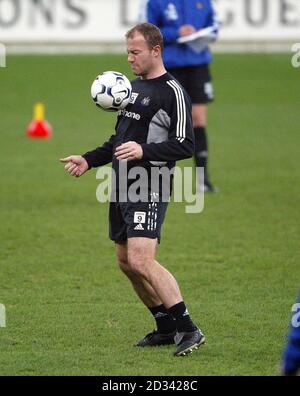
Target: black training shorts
(197, 82)
(140, 219)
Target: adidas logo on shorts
(139, 227)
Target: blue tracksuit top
(291, 355)
(169, 16)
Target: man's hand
(185, 30)
(75, 165)
(129, 151)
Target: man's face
(140, 56)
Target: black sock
(201, 150)
(164, 321)
(182, 317)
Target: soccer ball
(111, 91)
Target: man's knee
(122, 258)
(138, 265)
(131, 266)
(123, 264)
(141, 255)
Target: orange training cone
(39, 128)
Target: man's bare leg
(141, 259)
(166, 327)
(141, 286)
(154, 284)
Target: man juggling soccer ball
(154, 129)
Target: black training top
(159, 118)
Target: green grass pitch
(70, 311)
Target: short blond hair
(150, 32)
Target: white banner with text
(103, 21)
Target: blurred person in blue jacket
(188, 27)
(291, 356)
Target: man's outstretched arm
(76, 165)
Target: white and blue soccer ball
(111, 91)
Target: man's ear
(157, 50)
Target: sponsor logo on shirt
(129, 114)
